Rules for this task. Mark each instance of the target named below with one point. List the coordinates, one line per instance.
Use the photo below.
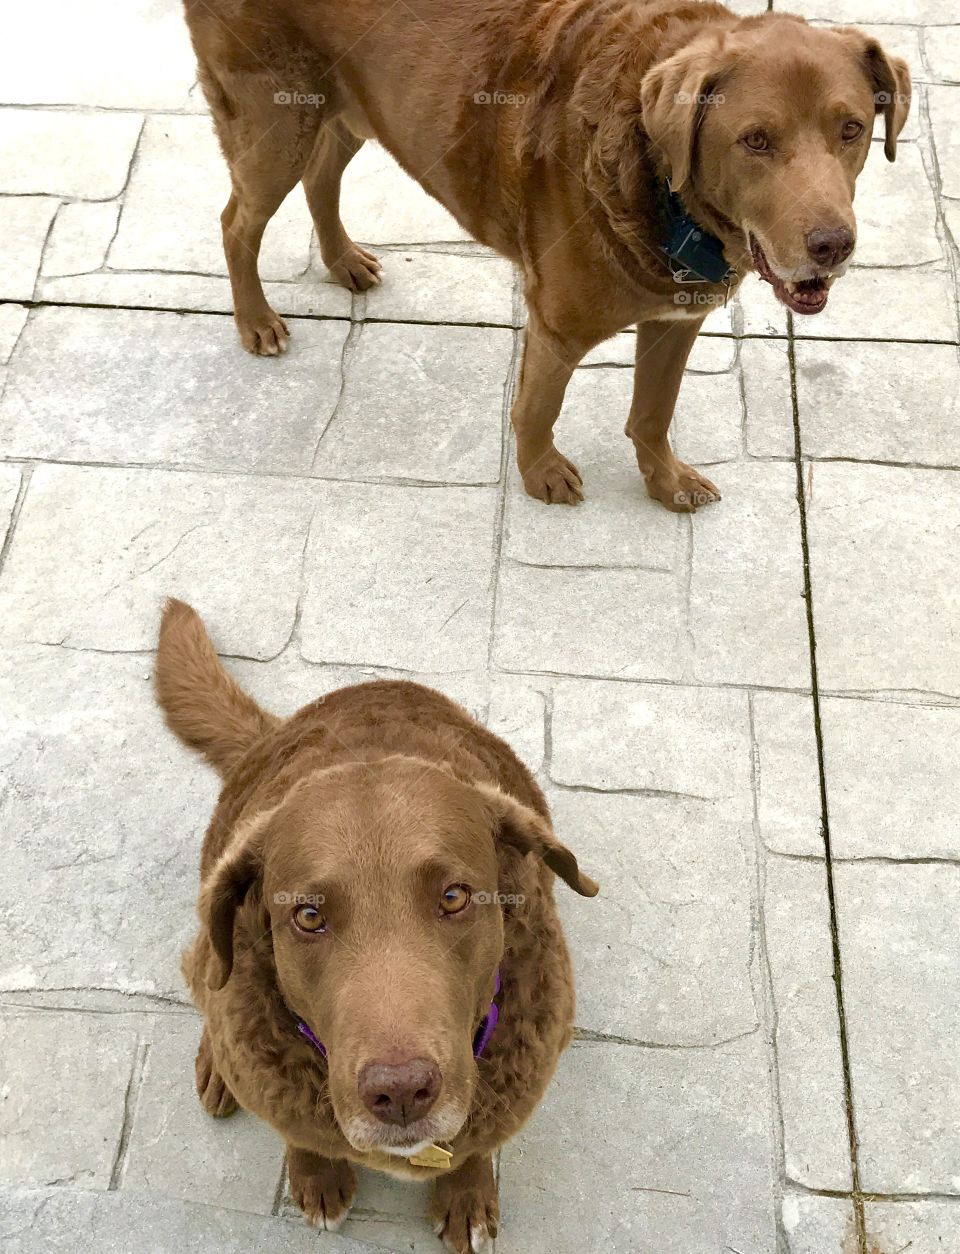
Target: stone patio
(714, 705)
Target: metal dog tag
(433, 1156)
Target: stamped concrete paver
(352, 510)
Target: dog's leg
(548, 362)
(215, 1098)
(353, 267)
(465, 1209)
(323, 1188)
(267, 141)
(662, 351)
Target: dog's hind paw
(356, 269)
(264, 334)
(215, 1098)
(554, 479)
(323, 1188)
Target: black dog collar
(693, 254)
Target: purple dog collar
(480, 1041)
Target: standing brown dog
(550, 129)
(380, 966)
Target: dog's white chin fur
(440, 1127)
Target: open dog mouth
(808, 296)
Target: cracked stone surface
(900, 1015)
(352, 510)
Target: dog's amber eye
(455, 898)
(309, 919)
(756, 141)
(852, 130)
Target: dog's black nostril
(399, 1092)
(830, 247)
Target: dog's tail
(202, 704)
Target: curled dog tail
(204, 707)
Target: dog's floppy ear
(673, 96)
(889, 77)
(221, 895)
(528, 832)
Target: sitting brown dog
(634, 157)
(380, 965)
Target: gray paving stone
(708, 420)
(891, 773)
(666, 1150)
(201, 292)
(911, 12)
(381, 204)
(99, 791)
(922, 1227)
(87, 155)
(65, 1080)
(712, 353)
(24, 226)
(617, 524)
(941, 47)
(443, 287)
(760, 311)
(540, 623)
(177, 1150)
(10, 477)
(882, 566)
(96, 550)
(12, 321)
(796, 923)
(136, 56)
(747, 616)
(288, 682)
(128, 386)
(900, 951)
(767, 399)
(692, 742)
(399, 577)
(34, 1222)
(516, 714)
(80, 237)
(945, 123)
(421, 402)
(786, 775)
(814, 1225)
(868, 403)
(171, 211)
(887, 305)
(674, 910)
(896, 211)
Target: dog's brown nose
(830, 247)
(399, 1092)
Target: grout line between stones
(130, 1102)
(857, 1195)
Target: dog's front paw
(554, 478)
(465, 1209)
(681, 488)
(323, 1188)
(215, 1098)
